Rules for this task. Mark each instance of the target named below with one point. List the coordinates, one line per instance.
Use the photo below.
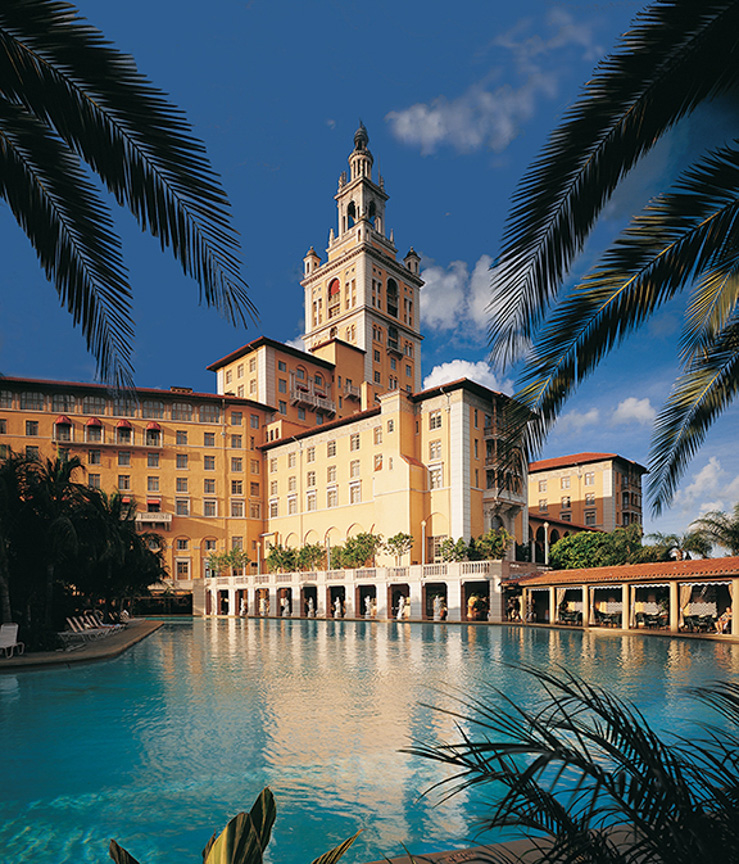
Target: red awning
(63, 420)
(153, 500)
(153, 426)
(93, 421)
(124, 424)
(125, 499)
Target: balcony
(352, 392)
(161, 519)
(306, 394)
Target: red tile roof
(577, 459)
(704, 568)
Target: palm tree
(11, 469)
(69, 100)
(680, 546)
(678, 54)
(585, 776)
(720, 528)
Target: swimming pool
(159, 747)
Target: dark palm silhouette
(678, 54)
(70, 102)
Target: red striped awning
(63, 420)
(124, 424)
(153, 500)
(153, 427)
(93, 421)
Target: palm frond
(59, 69)
(679, 53)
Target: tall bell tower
(362, 294)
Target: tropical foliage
(602, 549)
(678, 54)
(680, 547)
(71, 104)
(490, 546)
(720, 528)
(244, 839)
(232, 561)
(398, 545)
(585, 776)
(65, 546)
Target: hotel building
(297, 446)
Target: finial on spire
(361, 138)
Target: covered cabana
(679, 596)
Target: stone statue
(337, 608)
(368, 607)
(311, 608)
(262, 606)
(437, 608)
(285, 607)
(242, 609)
(401, 608)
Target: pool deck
(86, 652)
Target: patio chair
(9, 640)
(85, 630)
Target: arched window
(351, 212)
(392, 297)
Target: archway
(366, 601)
(434, 600)
(475, 601)
(399, 601)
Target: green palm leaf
(62, 74)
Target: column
(625, 606)
(349, 611)
(552, 605)
(525, 605)
(232, 610)
(735, 607)
(586, 606)
(674, 610)
(495, 600)
(454, 600)
(414, 589)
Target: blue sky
(458, 98)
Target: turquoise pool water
(159, 747)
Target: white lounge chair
(9, 640)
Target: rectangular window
(237, 487)
(434, 450)
(354, 468)
(182, 461)
(566, 517)
(3, 426)
(209, 439)
(32, 427)
(274, 508)
(378, 378)
(209, 486)
(240, 391)
(253, 364)
(543, 505)
(182, 411)
(292, 484)
(34, 402)
(237, 418)
(94, 457)
(281, 366)
(94, 433)
(291, 460)
(354, 441)
(281, 385)
(240, 370)
(282, 407)
(331, 474)
(181, 484)
(377, 431)
(566, 502)
(64, 403)
(331, 449)
(6, 399)
(436, 477)
(590, 517)
(408, 371)
(254, 421)
(209, 463)
(564, 483)
(210, 507)
(542, 485)
(273, 466)
(254, 466)
(301, 413)
(332, 497)
(311, 501)
(93, 481)
(292, 505)
(237, 509)
(273, 488)
(229, 376)
(181, 438)
(355, 493)
(255, 510)
(124, 482)
(435, 420)
(254, 490)
(311, 454)
(237, 464)
(210, 414)
(32, 452)
(477, 455)
(311, 478)
(589, 478)
(124, 457)
(390, 425)
(152, 460)
(152, 484)
(236, 441)
(393, 363)
(151, 409)
(378, 461)
(590, 499)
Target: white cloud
(706, 484)
(576, 421)
(491, 115)
(453, 370)
(454, 298)
(297, 342)
(633, 410)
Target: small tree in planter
(361, 549)
(398, 545)
(280, 560)
(452, 551)
(493, 545)
(310, 556)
